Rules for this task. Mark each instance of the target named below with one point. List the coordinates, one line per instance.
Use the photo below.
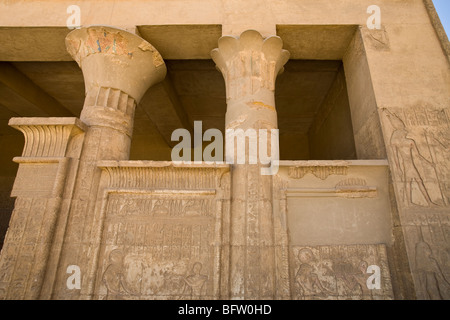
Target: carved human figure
(195, 280)
(358, 278)
(407, 157)
(430, 274)
(306, 278)
(113, 277)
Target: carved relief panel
(334, 217)
(427, 241)
(419, 145)
(337, 202)
(418, 142)
(162, 243)
(340, 272)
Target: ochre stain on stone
(258, 105)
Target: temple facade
(351, 202)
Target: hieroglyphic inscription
(17, 258)
(321, 172)
(283, 284)
(158, 246)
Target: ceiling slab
(182, 41)
(20, 85)
(163, 108)
(201, 91)
(316, 42)
(62, 80)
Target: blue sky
(443, 9)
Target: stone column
(250, 65)
(118, 68)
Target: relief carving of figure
(407, 159)
(306, 277)
(430, 274)
(195, 281)
(113, 277)
(354, 277)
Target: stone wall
(331, 136)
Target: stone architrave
(250, 65)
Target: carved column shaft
(118, 68)
(250, 66)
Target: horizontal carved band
(321, 172)
(351, 192)
(111, 98)
(128, 174)
(109, 107)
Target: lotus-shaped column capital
(117, 59)
(249, 62)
